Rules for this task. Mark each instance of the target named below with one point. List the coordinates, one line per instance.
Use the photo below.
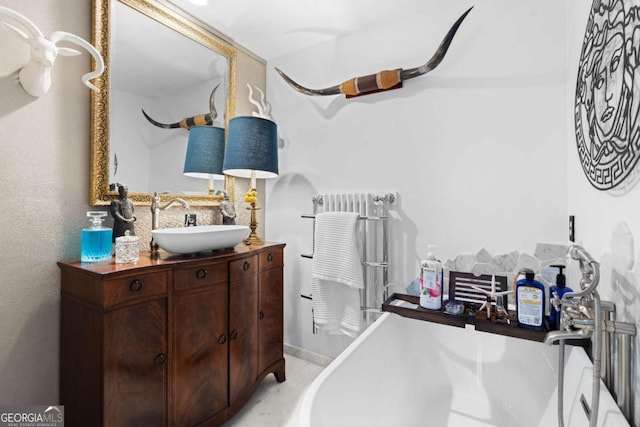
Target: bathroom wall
(476, 150)
(44, 185)
(607, 222)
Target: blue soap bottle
(96, 239)
(557, 291)
(530, 301)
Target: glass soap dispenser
(96, 239)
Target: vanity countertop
(163, 258)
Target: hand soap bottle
(96, 240)
(530, 302)
(431, 282)
(557, 291)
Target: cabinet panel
(200, 354)
(243, 327)
(202, 275)
(270, 323)
(271, 259)
(131, 287)
(135, 372)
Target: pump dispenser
(557, 292)
(530, 301)
(96, 239)
(431, 282)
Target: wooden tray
(479, 320)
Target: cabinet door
(243, 326)
(270, 323)
(135, 372)
(200, 347)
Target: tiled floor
(277, 404)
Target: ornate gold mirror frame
(99, 192)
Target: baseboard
(307, 355)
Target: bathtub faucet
(580, 318)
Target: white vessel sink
(186, 240)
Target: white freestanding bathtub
(404, 372)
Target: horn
(199, 120)
(63, 35)
(383, 80)
(437, 57)
(212, 104)
(26, 22)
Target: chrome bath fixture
(35, 75)
(155, 214)
(373, 231)
(383, 80)
(584, 316)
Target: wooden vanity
(171, 341)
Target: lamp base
(253, 238)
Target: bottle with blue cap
(530, 301)
(557, 291)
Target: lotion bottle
(431, 282)
(530, 302)
(557, 291)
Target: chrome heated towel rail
(373, 229)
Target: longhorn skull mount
(35, 75)
(383, 80)
(186, 123)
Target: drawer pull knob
(222, 339)
(201, 273)
(234, 334)
(135, 285)
(246, 266)
(270, 257)
(261, 315)
(160, 359)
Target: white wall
(475, 149)
(128, 141)
(607, 222)
(44, 159)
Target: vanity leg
(279, 373)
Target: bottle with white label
(530, 301)
(431, 282)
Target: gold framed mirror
(178, 45)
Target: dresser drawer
(203, 275)
(247, 265)
(270, 259)
(129, 288)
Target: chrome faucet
(580, 318)
(155, 214)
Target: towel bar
(373, 211)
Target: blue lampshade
(205, 152)
(252, 145)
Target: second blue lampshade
(205, 152)
(252, 145)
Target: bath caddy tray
(440, 316)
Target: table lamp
(205, 154)
(251, 152)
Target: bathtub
(403, 372)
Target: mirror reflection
(161, 62)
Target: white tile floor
(277, 404)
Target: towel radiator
(373, 230)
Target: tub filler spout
(557, 336)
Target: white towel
(337, 273)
